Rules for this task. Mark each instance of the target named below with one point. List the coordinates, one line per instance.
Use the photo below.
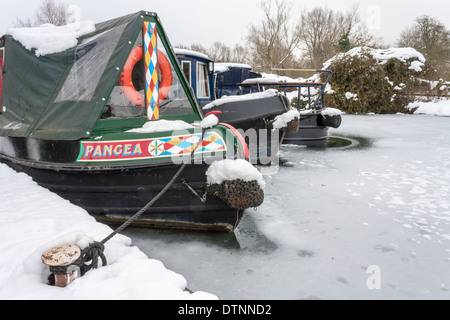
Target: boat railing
(284, 85)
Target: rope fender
(238, 194)
(291, 127)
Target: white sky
(206, 21)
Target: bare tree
(47, 12)
(272, 44)
(220, 52)
(51, 12)
(240, 54)
(325, 32)
(26, 23)
(319, 30)
(430, 37)
(199, 48)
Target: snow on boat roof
(49, 39)
(191, 53)
(225, 66)
(250, 96)
(274, 78)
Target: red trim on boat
(213, 112)
(240, 138)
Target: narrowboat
(107, 121)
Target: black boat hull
(251, 118)
(114, 194)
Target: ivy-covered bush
(377, 80)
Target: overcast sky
(206, 21)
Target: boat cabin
(117, 77)
(228, 75)
(198, 70)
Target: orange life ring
(126, 80)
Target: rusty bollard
(61, 260)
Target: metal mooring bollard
(61, 259)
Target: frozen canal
(369, 221)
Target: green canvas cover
(62, 96)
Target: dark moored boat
(315, 118)
(107, 130)
(251, 113)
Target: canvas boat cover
(61, 96)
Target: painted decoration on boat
(151, 70)
(127, 150)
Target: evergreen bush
(380, 81)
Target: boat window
(127, 97)
(202, 80)
(91, 58)
(173, 99)
(186, 66)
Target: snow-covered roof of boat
(244, 97)
(57, 90)
(225, 66)
(191, 53)
(50, 39)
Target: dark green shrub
(381, 86)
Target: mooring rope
(156, 198)
(95, 250)
(148, 205)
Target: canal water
(366, 218)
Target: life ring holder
(126, 79)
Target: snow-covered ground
(33, 220)
(438, 108)
(369, 221)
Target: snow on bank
(228, 169)
(49, 39)
(437, 108)
(32, 220)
